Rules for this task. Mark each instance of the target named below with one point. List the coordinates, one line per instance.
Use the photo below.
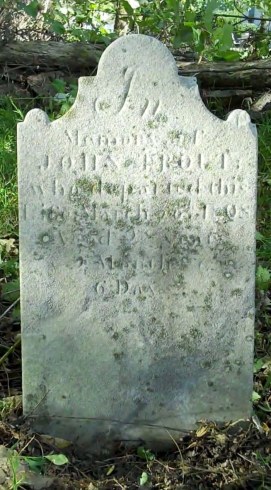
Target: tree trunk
(121, 25)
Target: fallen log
(27, 58)
(238, 75)
(49, 56)
(227, 93)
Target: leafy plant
(255, 396)
(63, 98)
(17, 478)
(145, 454)
(9, 405)
(37, 464)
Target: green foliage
(9, 405)
(38, 463)
(263, 278)
(8, 258)
(206, 26)
(31, 8)
(264, 194)
(145, 454)
(255, 396)
(17, 479)
(143, 479)
(10, 290)
(10, 115)
(262, 372)
(81, 21)
(64, 98)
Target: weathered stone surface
(137, 228)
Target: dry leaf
(9, 245)
(92, 486)
(54, 441)
(221, 438)
(202, 431)
(265, 428)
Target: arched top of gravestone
(140, 53)
(138, 79)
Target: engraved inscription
(107, 212)
(128, 76)
(120, 288)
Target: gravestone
(137, 234)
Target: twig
(246, 459)
(9, 308)
(11, 349)
(118, 483)
(180, 453)
(10, 292)
(26, 445)
(30, 414)
(244, 17)
(237, 7)
(233, 469)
